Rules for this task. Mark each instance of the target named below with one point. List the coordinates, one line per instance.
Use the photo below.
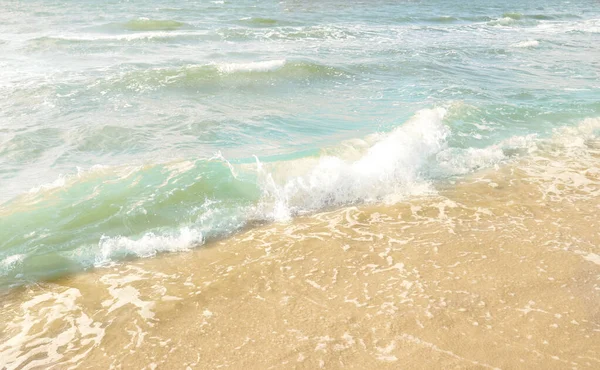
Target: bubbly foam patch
(124, 294)
(577, 136)
(58, 183)
(584, 26)
(148, 245)
(565, 165)
(34, 325)
(526, 44)
(11, 261)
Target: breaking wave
(113, 213)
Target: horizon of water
(129, 129)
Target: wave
(541, 17)
(260, 22)
(216, 74)
(91, 38)
(141, 24)
(113, 248)
(585, 26)
(290, 32)
(139, 30)
(505, 18)
(526, 44)
(550, 23)
(389, 169)
(517, 19)
(117, 33)
(106, 214)
(515, 16)
(146, 24)
(442, 19)
(265, 66)
(504, 21)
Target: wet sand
(500, 270)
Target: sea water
(299, 184)
(133, 128)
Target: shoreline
(485, 275)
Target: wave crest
(391, 168)
(146, 24)
(147, 210)
(214, 74)
(266, 66)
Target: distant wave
(266, 66)
(442, 19)
(217, 73)
(506, 18)
(140, 24)
(146, 24)
(526, 44)
(260, 22)
(585, 26)
(119, 34)
(520, 19)
(288, 32)
(50, 41)
(515, 16)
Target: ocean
(299, 184)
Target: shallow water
(497, 271)
(336, 136)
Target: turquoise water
(132, 128)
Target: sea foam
(264, 66)
(148, 245)
(390, 168)
(526, 44)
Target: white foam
(526, 44)
(505, 21)
(565, 165)
(11, 261)
(141, 35)
(389, 170)
(32, 341)
(453, 161)
(577, 136)
(382, 168)
(124, 294)
(585, 26)
(58, 183)
(592, 257)
(148, 245)
(264, 66)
